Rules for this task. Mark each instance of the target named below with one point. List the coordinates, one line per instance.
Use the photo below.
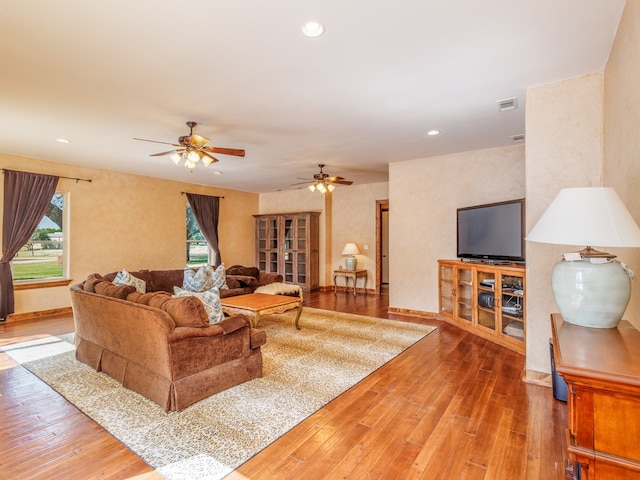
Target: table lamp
(591, 289)
(350, 249)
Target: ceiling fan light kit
(193, 149)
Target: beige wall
(563, 149)
(424, 195)
(622, 141)
(354, 220)
(128, 221)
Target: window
(198, 251)
(43, 256)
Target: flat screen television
(493, 231)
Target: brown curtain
(26, 199)
(206, 211)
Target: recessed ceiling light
(217, 172)
(312, 29)
(62, 140)
(432, 133)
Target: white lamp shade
(590, 294)
(589, 216)
(350, 249)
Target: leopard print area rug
(303, 371)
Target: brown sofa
(162, 347)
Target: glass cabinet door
(512, 306)
(446, 289)
(486, 300)
(464, 294)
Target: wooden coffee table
(255, 304)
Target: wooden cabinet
(288, 244)
(487, 300)
(602, 370)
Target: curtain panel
(206, 210)
(26, 199)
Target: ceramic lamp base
(591, 294)
(350, 263)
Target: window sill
(62, 282)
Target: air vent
(517, 138)
(508, 104)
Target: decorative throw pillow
(210, 299)
(219, 277)
(125, 278)
(198, 280)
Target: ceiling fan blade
(197, 140)
(225, 151)
(155, 141)
(169, 152)
(339, 182)
(204, 161)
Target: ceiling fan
(193, 148)
(323, 181)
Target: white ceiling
(357, 98)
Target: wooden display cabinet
(601, 367)
(487, 300)
(288, 244)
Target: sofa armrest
(267, 278)
(225, 327)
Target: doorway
(382, 246)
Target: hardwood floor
(452, 406)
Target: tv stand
(486, 299)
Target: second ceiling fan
(193, 148)
(323, 181)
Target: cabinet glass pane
(273, 262)
(487, 318)
(262, 234)
(465, 300)
(288, 234)
(302, 229)
(513, 327)
(288, 267)
(262, 261)
(302, 268)
(273, 233)
(446, 290)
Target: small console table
(347, 274)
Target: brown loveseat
(162, 347)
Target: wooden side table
(602, 369)
(347, 274)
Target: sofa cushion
(247, 271)
(125, 278)
(246, 281)
(185, 311)
(145, 298)
(89, 284)
(165, 280)
(117, 291)
(210, 299)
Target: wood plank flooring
(452, 406)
